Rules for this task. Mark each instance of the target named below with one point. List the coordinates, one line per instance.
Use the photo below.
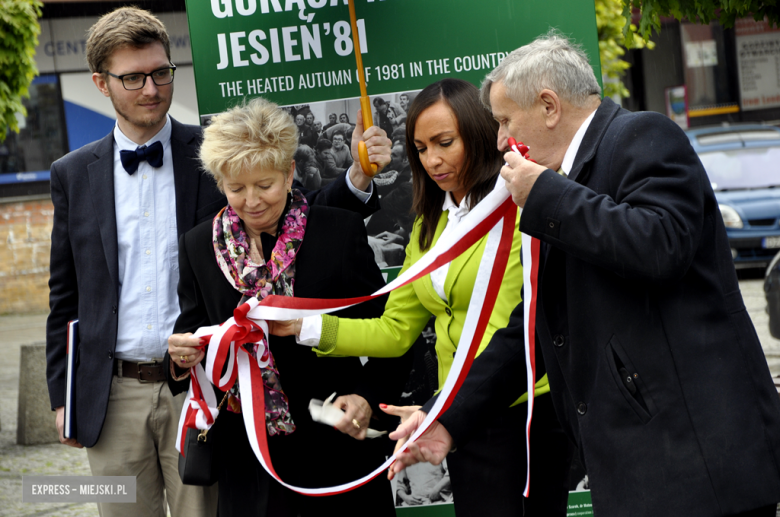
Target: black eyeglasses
(137, 80)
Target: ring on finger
(184, 358)
(356, 424)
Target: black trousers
(488, 472)
(245, 489)
(767, 511)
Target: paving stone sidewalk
(18, 460)
(56, 459)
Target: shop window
(25, 157)
(708, 74)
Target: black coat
(334, 261)
(84, 281)
(637, 280)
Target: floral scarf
(276, 276)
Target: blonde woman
(253, 248)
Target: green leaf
(19, 31)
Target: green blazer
(409, 308)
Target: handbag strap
(202, 435)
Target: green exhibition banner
(300, 51)
(299, 54)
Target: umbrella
(365, 102)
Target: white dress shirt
(455, 214)
(148, 251)
(574, 146)
(360, 194)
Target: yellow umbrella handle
(369, 169)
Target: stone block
(35, 420)
(40, 232)
(19, 230)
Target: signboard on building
(758, 59)
(62, 42)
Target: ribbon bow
(152, 154)
(225, 341)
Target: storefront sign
(758, 58)
(701, 53)
(62, 43)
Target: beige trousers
(138, 439)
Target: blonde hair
(122, 28)
(254, 135)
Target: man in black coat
(114, 264)
(654, 365)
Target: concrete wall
(35, 420)
(25, 245)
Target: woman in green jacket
(451, 142)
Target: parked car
(743, 165)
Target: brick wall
(25, 244)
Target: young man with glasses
(120, 205)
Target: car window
(743, 168)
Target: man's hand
(185, 350)
(60, 422)
(520, 175)
(357, 415)
(379, 150)
(432, 446)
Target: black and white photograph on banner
(578, 478)
(324, 153)
(422, 484)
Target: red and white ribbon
(530, 252)
(494, 216)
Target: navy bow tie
(152, 154)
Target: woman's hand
(357, 415)
(185, 350)
(284, 328)
(403, 412)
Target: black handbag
(196, 466)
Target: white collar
(458, 210)
(163, 136)
(574, 146)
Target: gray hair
(549, 62)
